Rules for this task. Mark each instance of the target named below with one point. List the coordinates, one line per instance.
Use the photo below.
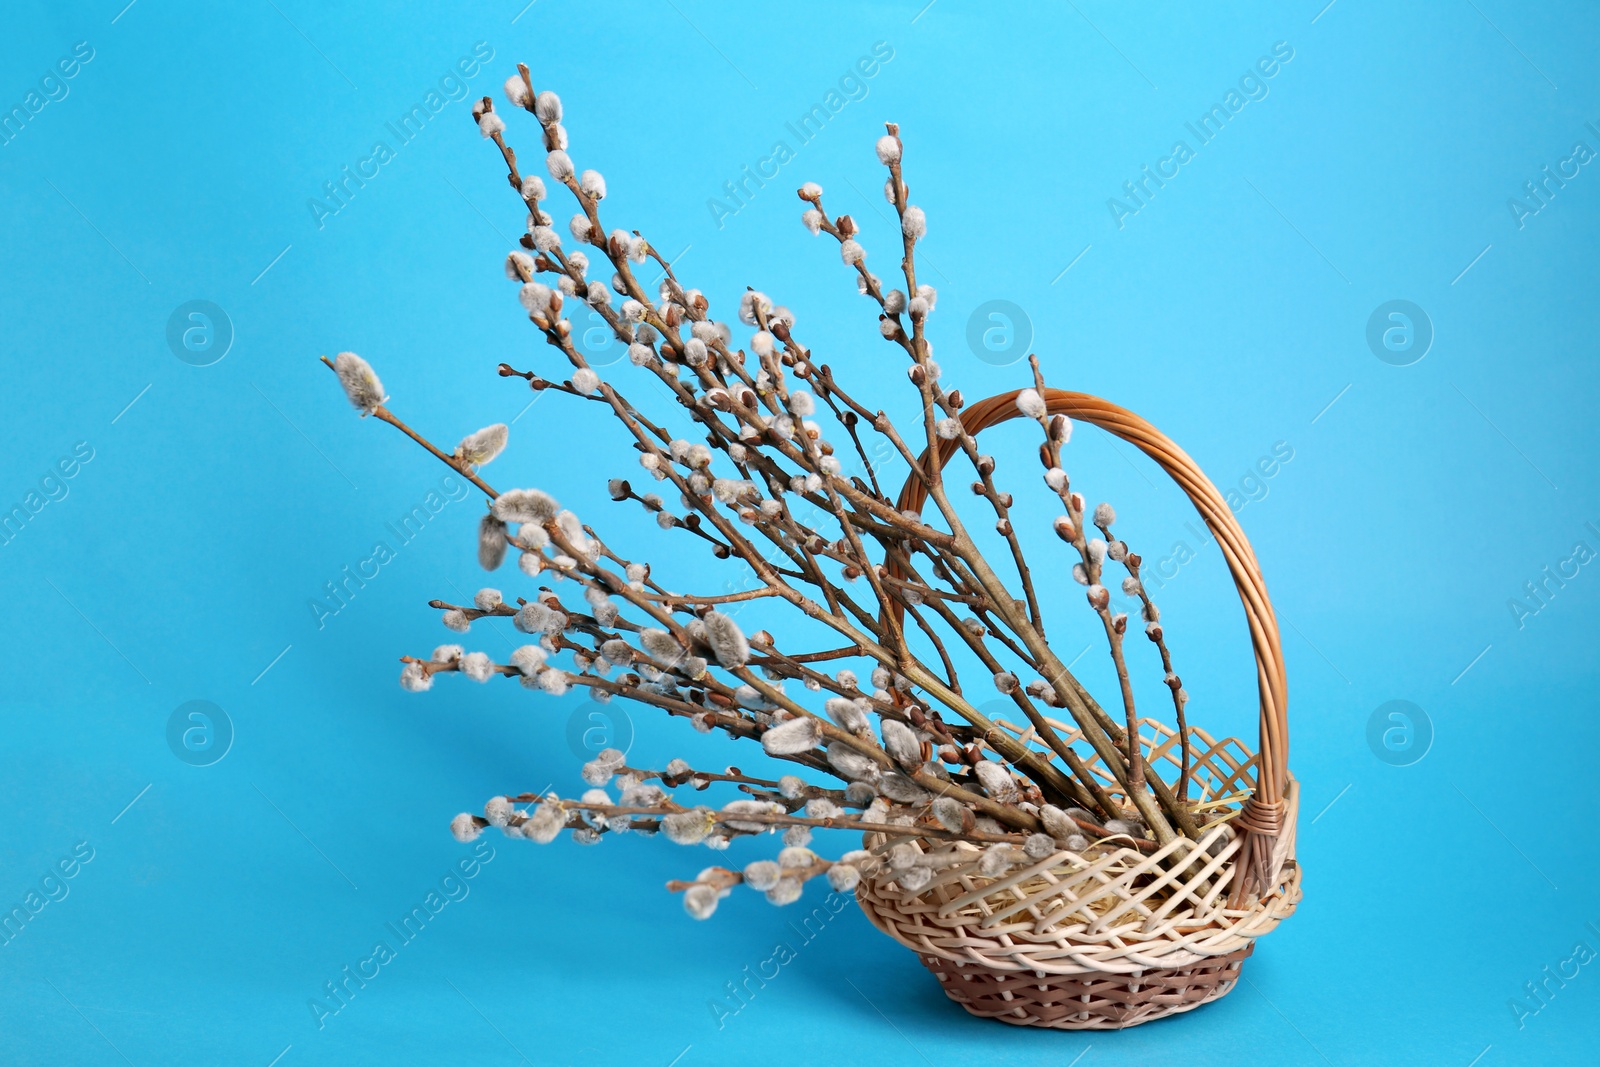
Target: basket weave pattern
(1120, 935)
(1085, 1001)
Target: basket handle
(1265, 813)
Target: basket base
(1086, 1001)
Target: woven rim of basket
(1113, 908)
(1265, 813)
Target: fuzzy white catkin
(535, 618)
(851, 251)
(559, 164)
(544, 824)
(484, 445)
(593, 183)
(1031, 404)
(888, 149)
(894, 302)
(360, 382)
(822, 808)
(548, 107)
(796, 857)
(498, 811)
(597, 772)
(415, 679)
(792, 737)
(1056, 479)
(491, 542)
(749, 807)
(811, 218)
(491, 124)
(554, 682)
(688, 827)
(726, 640)
(948, 429)
(859, 794)
(952, 814)
(519, 265)
(914, 223)
(573, 530)
(700, 901)
(752, 305)
(1131, 586)
(585, 381)
(661, 645)
(997, 782)
(787, 891)
(899, 788)
(465, 828)
(994, 861)
(535, 297)
(916, 879)
(477, 666)
(1057, 822)
(545, 239)
(1104, 515)
(843, 877)
(1038, 846)
(525, 505)
(447, 653)
(533, 187)
(762, 875)
(850, 763)
(847, 713)
(517, 90)
(456, 619)
(900, 741)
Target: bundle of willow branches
(779, 484)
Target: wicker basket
(1121, 935)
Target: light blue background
(1231, 311)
